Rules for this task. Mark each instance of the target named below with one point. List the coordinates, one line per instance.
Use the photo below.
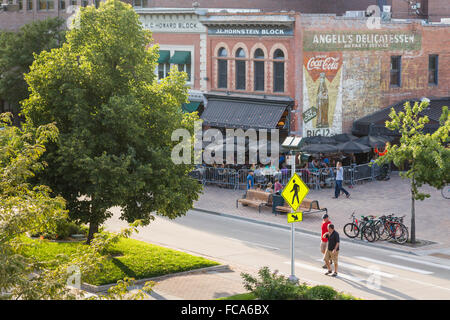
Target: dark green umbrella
(371, 141)
(353, 147)
(319, 140)
(319, 148)
(344, 137)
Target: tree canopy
(115, 120)
(17, 51)
(424, 157)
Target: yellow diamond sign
(295, 217)
(295, 191)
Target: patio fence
(314, 179)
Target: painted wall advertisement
(322, 98)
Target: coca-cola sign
(328, 63)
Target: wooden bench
(307, 206)
(255, 198)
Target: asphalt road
(364, 271)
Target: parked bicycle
(372, 228)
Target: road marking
(428, 263)
(320, 270)
(253, 243)
(363, 269)
(395, 265)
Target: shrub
(64, 229)
(321, 293)
(272, 286)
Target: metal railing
(314, 178)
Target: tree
(17, 51)
(426, 155)
(115, 120)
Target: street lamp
(292, 143)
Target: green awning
(190, 107)
(164, 56)
(181, 57)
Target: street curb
(280, 226)
(95, 289)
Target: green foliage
(126, 258)
(272, 286)
(63, 230)
(17, 51)
(27, 209)
(321, 293)
(115, 120)
(426, 155)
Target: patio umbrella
(344, 137)
(319, 148)
(353, 147)
(319, 140)
(371, 141)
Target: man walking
(324, 241)
(332, 251)
(339, 179)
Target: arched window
(240, 69)
(222, 68)
(258, 70)
(278, 71)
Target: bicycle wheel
(403, 234)
(369, 233)
(351, 230)
(383, 232)
(446, 192)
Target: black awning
(374, 124)
(243, 113)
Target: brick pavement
(374, 197)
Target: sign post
(294, 193)
(299, 190)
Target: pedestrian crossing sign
(295, 191)
(295, 217)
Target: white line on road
(395, 265)
(253, 243)
(320, 270)
(437, 265)
(363, 269)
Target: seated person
(269, 187)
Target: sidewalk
(370, 198)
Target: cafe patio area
(367, 198)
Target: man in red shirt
(324, 241)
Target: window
(222, 69)
(259, 70)
(433, 69)
(396, 65)
(84, 3)
(186, 68)
(20, 2)
(240, 69)
(74, 2)
(97, 3)
(163, 70)
(62, 4)
(46, 5)
(278, 71)
(29, 4)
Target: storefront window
(433, 69)
(186, 68)
(222, 66)
(46, 5)
(29, 4)
(163, 70)
(396, 64)
(278, 71)
(62, 4)
(240, 69)
(259, 70)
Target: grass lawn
(131, 258)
